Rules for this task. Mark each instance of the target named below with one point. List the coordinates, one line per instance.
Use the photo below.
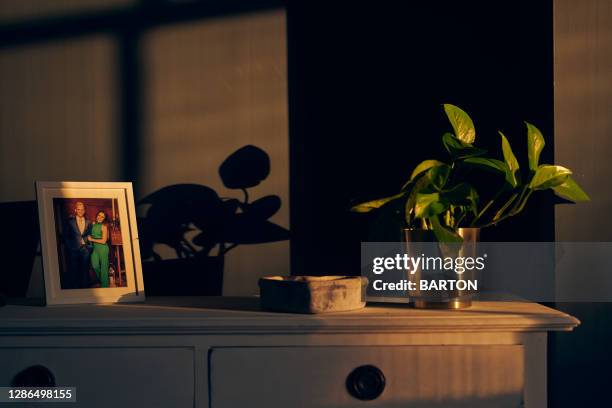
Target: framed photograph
(89, 242)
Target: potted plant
(441, 199)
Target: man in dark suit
(76, 230)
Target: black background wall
(366, 85)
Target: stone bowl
(312, 294)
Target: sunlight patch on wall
(212, 88)
(58, 115)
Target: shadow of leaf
(179, 211)
(245, 168)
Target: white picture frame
(124, 282)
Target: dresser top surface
(243, 314)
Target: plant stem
(486, 207)
(463, 215)
(518, 202)
(518, 207)
(500, 216)
(246, 196)
(505, 207)
(408, 213)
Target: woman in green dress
(99, 255)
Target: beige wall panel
(583, 142)
(210, 88)
(583, 129)
(583, 102)
(58, 115)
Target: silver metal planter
(422, 243)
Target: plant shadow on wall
(202, 228)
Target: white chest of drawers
(225, 352)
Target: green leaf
(428, 205)
(494, 165)
(459, 149)
(535, 144)
(510, 160)
(432, 180)
(423, 166)
(442, 233)
(549, 176)
(374, 204)
(570, 190)
(438, 176)
(488, 164)
(461, 122)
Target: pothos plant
(440, 195)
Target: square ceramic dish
(312, 294)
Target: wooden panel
(416, 376)
(243, 315)
(112, 377)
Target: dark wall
(366, 84)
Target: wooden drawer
(111, 377)
(414, 376)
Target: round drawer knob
(365, 382)
(34, 376)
